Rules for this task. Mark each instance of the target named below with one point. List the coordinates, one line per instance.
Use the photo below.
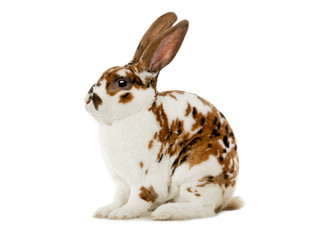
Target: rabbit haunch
(209, 134)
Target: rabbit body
(172, 151)
(141, 161)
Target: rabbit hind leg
(191, 202)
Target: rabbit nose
(89, 99)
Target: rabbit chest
(125, 144)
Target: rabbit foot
(125, 212)
(104, 211)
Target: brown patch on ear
(148, 194)
(161, 24)
(126, 97)
(162, 50)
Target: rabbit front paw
(125, 212)
(104, 211)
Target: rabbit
(172, 153)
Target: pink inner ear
(165, 51)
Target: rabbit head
(123, 91)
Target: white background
(256, 61)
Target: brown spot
(188, 109)
(160, 159)
(194, 112)
(172, 96)
(197, 194)
(150, 145)
(141, 164)
(97, 101)
(148, 194)
(146, 171)
(126, 97)
(206, 180)
(161, 118)
(165, 93)
(189, 190)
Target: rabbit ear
(161, 24)
(163, 49)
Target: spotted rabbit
(171, 152)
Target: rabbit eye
(121, 83)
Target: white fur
(144, 74)
(122, 72)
